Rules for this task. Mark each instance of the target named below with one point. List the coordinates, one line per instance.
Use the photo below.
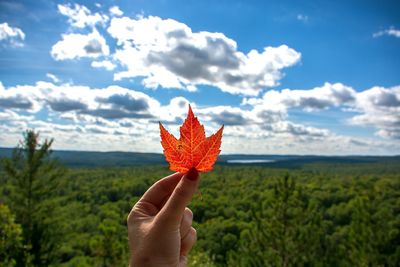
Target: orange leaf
(193, 149)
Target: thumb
(174, 208)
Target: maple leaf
(193, 149)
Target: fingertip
(162, 188)
(192, 174)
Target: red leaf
(193, 149)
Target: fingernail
(192, 174)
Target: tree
(108, 251)
(33, 176)
(285, 230)
(370, 230)
(361, 236)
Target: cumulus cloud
(117, 118)
(80, 16)
(297, 129)
(112, 102)
(175, 111)
(106, 64)
(115, 11)
(226, 115)
(15, 102)
(392, 31)
(120, 111)
(13, 123)
(63, 105)
(111, 118)
(12, 36)
(17, 99)
(75, 45)
(379, 108)
(168, 54)
(318, 98)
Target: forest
(316, 214)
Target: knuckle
(131, 216)
(138, 211)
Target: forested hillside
(318, 215)
(79, 159)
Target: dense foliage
(317, 215)
(32, 180)
(10, 237)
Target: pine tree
(33, 175)
(286, 230)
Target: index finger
(173, 209)
(157, 193)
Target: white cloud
(21, 121)
(389, 32)
(111, 118)
(18, 98)
(12, 36)
(113, 102)
(53, 77)
(106, 64)
(168, 54)
(379, 108)
(116, 111)
(115, 11)
(318, 98)
(80, 16)
(117, 118)
(75, 45)
(175, 111)
(227, 115)
(302, 17)
(295, 129)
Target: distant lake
(249, 161)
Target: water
(249, 161)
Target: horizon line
(230, 154)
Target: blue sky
(285, 77)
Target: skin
(160, 224)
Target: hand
(160, 225)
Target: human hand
(160, 225)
